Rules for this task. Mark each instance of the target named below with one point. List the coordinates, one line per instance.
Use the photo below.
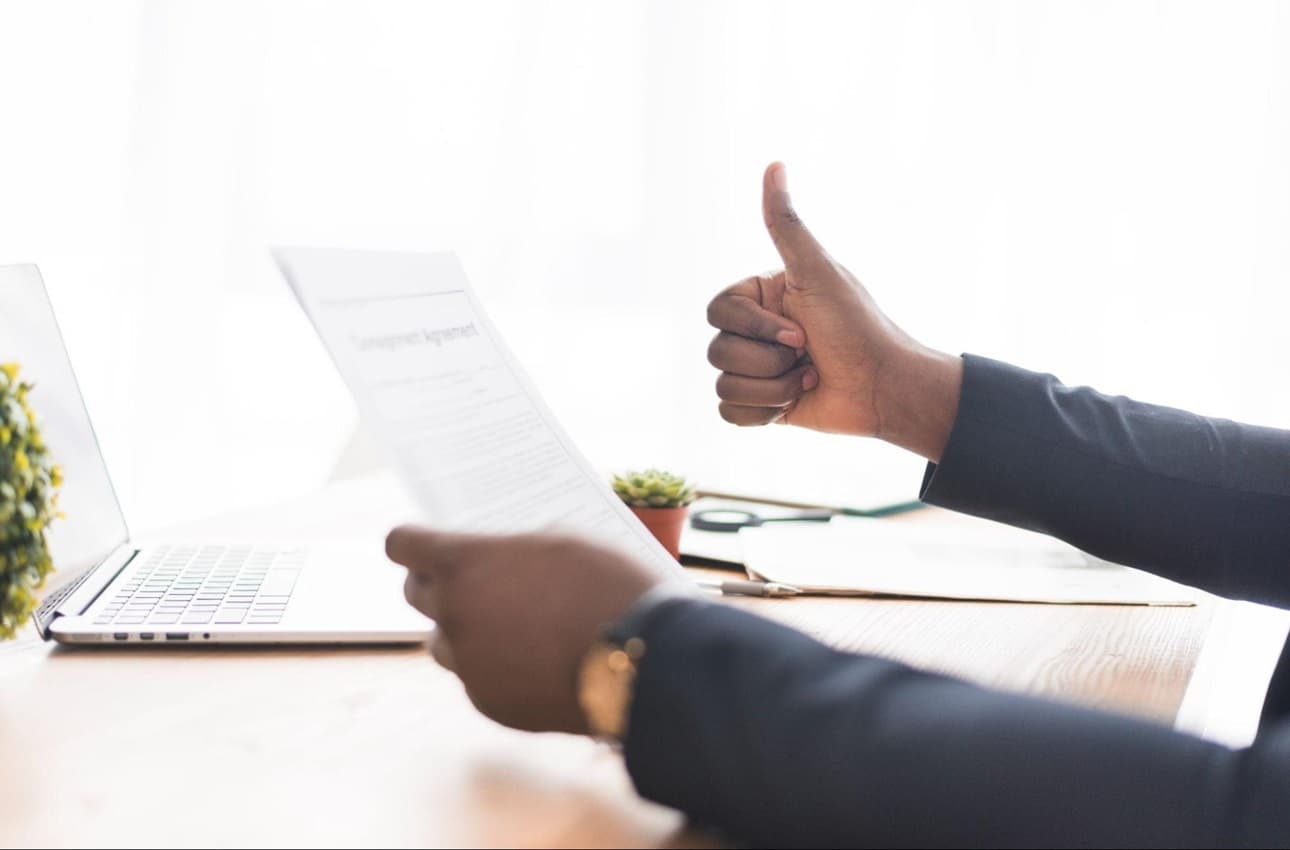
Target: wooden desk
(1132, 659)
(379, 747)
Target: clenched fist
(808, 346)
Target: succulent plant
(653, 488)
(29, 482)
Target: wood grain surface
(379, 747)
(1134, 659)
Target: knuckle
(441, 651)
(723, 387)
(393, 543)
(717, 350)
(789, 216)
(412, 591)
(717, 310)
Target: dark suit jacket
(776, 739)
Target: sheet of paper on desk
(990, 562)
(469, 433)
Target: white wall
(1096, 189)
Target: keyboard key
(279, 583)
(196, 585)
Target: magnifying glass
(722, 519)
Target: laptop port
(146, 636)
(176, 635)
(120, 636)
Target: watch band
(607, 676)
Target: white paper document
(470, 434)
(981, 562)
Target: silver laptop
(110, 589)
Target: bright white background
(1101, 190)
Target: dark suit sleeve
(1202, 501)
(770, 736)
(776, 739)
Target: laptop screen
(29, 336)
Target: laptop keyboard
(206, 585)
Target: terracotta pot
(665, 524)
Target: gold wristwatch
(606, 684)
(607, 677)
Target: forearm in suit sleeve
(1203, 501)
(776, 739)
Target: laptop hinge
(78, 595)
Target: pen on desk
(751, 588)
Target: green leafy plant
(29, 482)
(653, 488)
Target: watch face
(605, 690)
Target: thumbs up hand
(808, 346)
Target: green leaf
(28, 499)
(653, 488)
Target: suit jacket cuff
(985, 469)
(660, 722)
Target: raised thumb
(796, 245)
